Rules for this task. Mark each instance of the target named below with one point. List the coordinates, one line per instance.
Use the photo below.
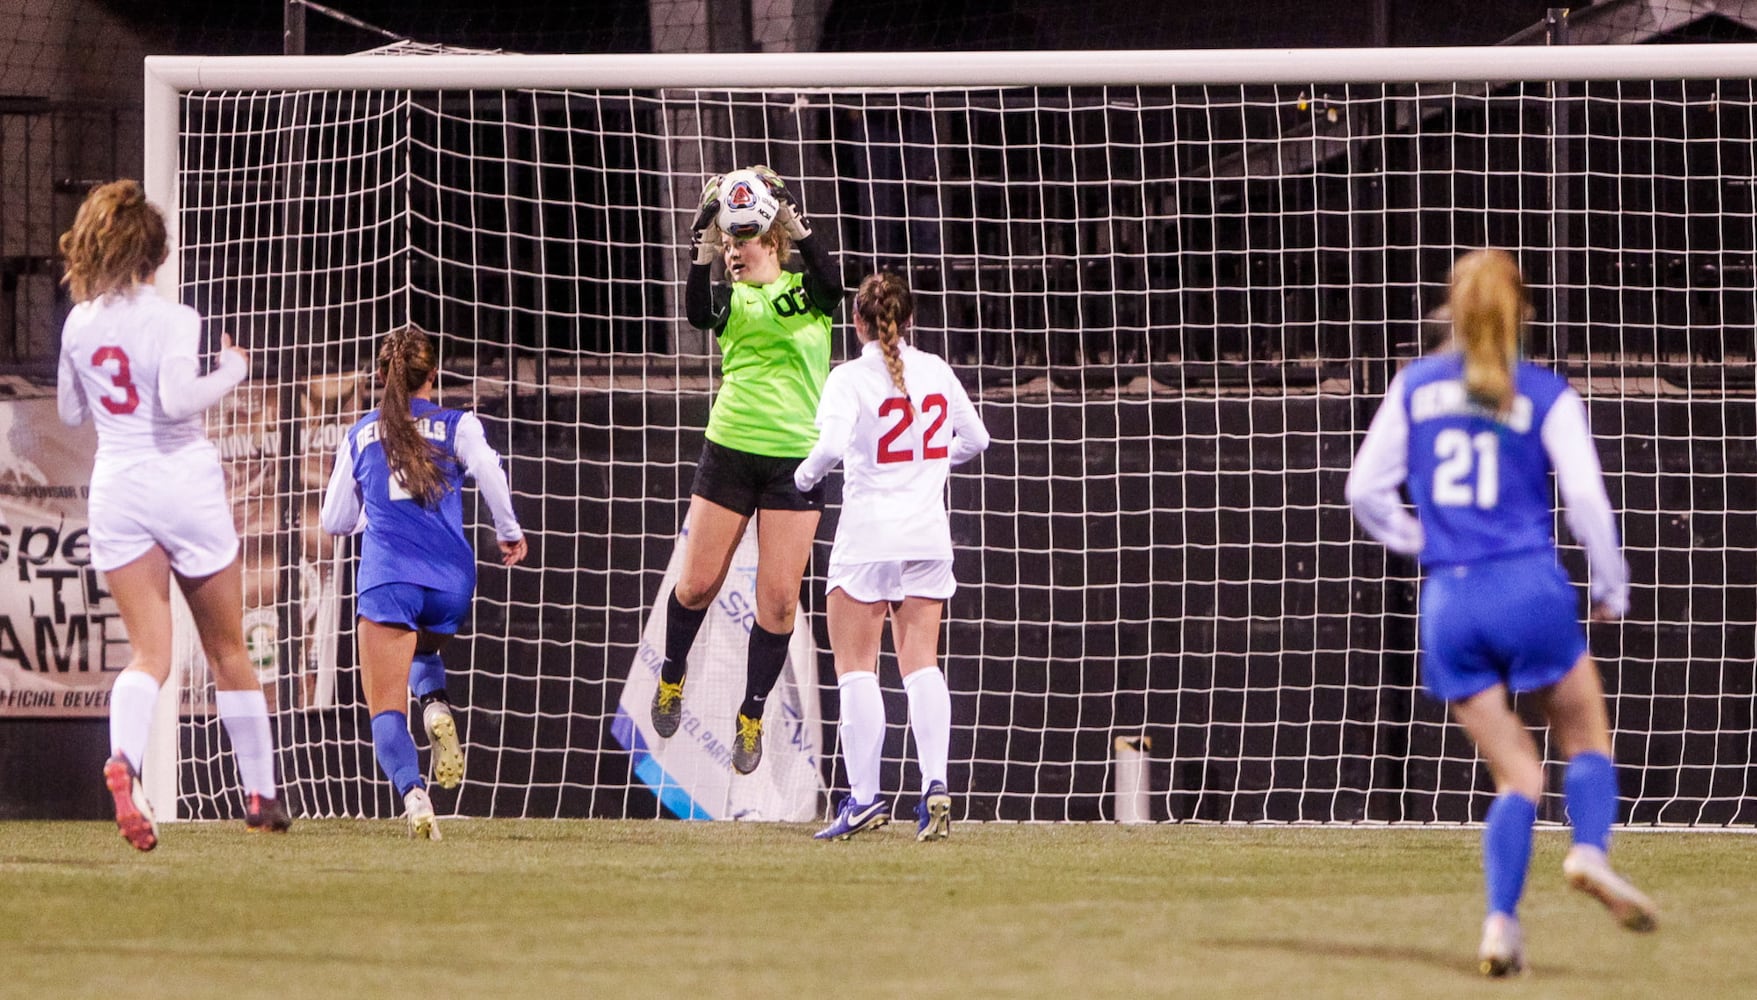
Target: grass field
(663, 909)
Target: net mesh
(1176, 308)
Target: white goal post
(1176, 283)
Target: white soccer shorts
(176, 501)
(873, 582)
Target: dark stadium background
(90, 103)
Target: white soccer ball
(747, 206)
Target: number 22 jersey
(895, 454)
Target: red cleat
(266, 815)
(133, 816)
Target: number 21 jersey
(1480, 483)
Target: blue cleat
(933, 814)
(853, 818)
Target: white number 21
(1458, 452)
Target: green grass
(660, 909)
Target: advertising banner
(61, 640)
(691, 772)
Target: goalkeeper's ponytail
(884, 307)
(1488, 307)
(406, 360)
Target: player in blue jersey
(1475, 433)
(398, 478)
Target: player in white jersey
(898, 419)
(158, 506)
(1475, 434)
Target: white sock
(133, 699)
(863, 732)
(930, 719)
(245, 715)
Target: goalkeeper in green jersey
(773, 328)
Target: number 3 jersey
(1480, 482)
(128, 360)
(406, 542)
(895, 454)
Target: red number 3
(896, 404)
(118, 378)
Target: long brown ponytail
(885, 308)
(406, 360)
(1488, 308)
(117, 240)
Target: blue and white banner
(691, 772)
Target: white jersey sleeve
(969, 434)
(1379, 469)
(482, 462)
(343, 511)
(1585, 506)
(70, 401)
(837, 411)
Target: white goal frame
(168, 77)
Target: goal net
(1176, 285)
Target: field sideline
(658, 909)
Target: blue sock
(395, 751)
(1506, 850)
(1589, 786)
(426, 675)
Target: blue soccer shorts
(1512, 621)
(414, 607)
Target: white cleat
(422, 825)
(1589, 871)
(1503, 947)
(442, 737)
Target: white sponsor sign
(691, 772)
(61, 639)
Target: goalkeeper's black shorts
(746, 483)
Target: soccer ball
(747, 206)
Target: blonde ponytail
(1488, 304)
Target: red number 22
(888, 454)
(118, 378)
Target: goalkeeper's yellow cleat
(442, 737)
(747, 746)
(667, 708)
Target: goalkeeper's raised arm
(773, 329)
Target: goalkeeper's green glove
(705, 229)
(789, 216)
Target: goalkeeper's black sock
(681, 626)
(768, 654)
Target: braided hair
(117, 240)
(885, 308)
(1488, 308)
(406, 360)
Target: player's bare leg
(915, 629)
(856, 630)
(1576, 711)
(142, 590)
(710, 540)
(385, 654)
(784, 539)
(1511, 754)
(216, 603)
